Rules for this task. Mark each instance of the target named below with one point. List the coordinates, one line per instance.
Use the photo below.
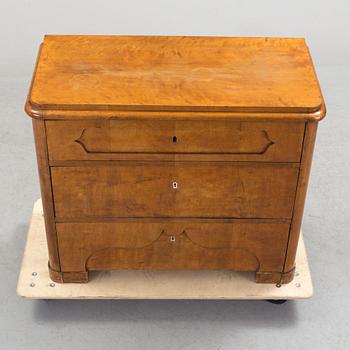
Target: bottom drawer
(178, 244)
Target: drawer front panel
(239, 190)
(146, 139)
(172, 245)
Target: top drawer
(167, 139)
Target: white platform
(34, 281)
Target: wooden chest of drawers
(173, 152)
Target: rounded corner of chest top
(319, 113)
(32, 110)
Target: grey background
(322, 322)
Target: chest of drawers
(173, 152)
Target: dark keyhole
(174, 139)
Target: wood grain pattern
(46, 192)
(174, 152)
(175, 73)
(203, 190)
(305, 167)
(175, 245)
(150, 139)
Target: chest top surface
(187, 74)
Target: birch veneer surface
(170, 153)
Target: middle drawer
(209, 190)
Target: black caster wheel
(277, 301)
